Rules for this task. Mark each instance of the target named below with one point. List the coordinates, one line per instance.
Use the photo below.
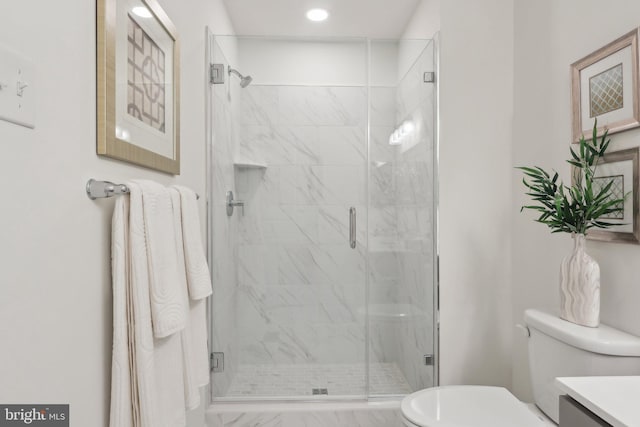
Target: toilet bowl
(557, 348)
(468, 406)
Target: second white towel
(198, 276)
(168, 308)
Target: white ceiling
(348, 18)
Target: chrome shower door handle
(352, 227)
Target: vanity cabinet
(573, 414)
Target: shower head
(244, 81)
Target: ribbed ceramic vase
(580, 286)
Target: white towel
(198, 333)
(168, 309)
(191, 392)
(199, 282)
(122, 358)
(194, 336)
(198, 276)
(158, 360)
(150, 393)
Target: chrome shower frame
(219, 71)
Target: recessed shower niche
(324, 287)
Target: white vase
(580, 286)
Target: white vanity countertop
(614, 399)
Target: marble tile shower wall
(224, 232)
(384, 274)
(401, 224)
(301, 287)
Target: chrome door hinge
(428, 359)
(216, 362)
(216, 74)
(429, 77)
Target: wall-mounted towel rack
(103, 189)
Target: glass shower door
(402, 212)
(289, 304)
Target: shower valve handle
(231, 203)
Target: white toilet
(557, 348)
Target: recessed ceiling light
(317, 15)
(142, 12)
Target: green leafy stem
(574, 209)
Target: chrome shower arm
(236, 72)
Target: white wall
(425, 21)
(423, 25)
(476, 104)
(307, 62)
(275, 61)
(549, 36)
(55, 286)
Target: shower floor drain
(316, 391)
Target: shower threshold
(294, 414)
(316, 380)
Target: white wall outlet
(17, 89)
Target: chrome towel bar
(103, 189)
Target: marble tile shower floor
(299, 380)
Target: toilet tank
(558, 348)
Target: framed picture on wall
(138, 91)
(621, 167)
(604, 85)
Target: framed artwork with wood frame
(138, 91)
(604, 84)
(621, 167)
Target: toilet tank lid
(603, 339)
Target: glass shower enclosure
(321, 217)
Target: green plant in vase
(575, 209)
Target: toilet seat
(467, 406)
